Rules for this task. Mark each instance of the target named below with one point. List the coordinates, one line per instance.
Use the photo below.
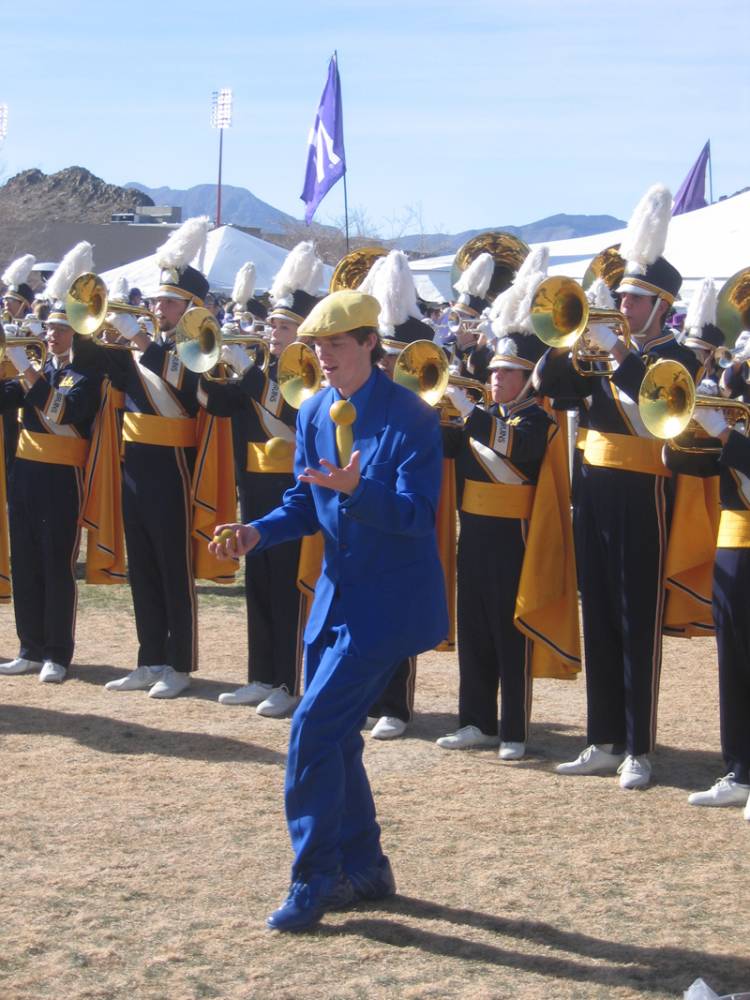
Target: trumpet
(667, 402)
(257, 345)
(561, 317)
(87, 305)
(30, 343)
(473, 387)
(298, 373)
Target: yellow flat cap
(340, 312)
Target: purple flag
(326, 162)
(692, 193)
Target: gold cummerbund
(259, 461)
(52, 448)
(734, 530)
(170, 432)
(497, 499)
(625, 451)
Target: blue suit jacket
(381, 557)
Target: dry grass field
(142, 844)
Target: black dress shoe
(375, 882)
(309, 900)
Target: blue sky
(468, 115)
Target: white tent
(710, 242)
(227, 249)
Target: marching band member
(159, 433)
(18, 300)
(472, 358)
(703, 336)
(263, 429)
(508, 514)
(624, 500)
(731, 583)
(58, 406)
(370, 481)
(391, 282)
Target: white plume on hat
(244, 283)
(316, 278)
(599, 295)
(395, 290)
(19, 270)
(368, 282)
(76, 262)
(476, 279)
(185, 244)
(118, 290)
(646, 234)
(702, 308)
(511, 310)
(295, 273)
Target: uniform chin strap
(649, 321)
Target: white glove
(11, 330)
(125, 324)
(32, 327)
(712, 421)
(460, 399)
(602, 337)
(707, 387)
(18, 358)
(236, 357)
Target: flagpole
(710, 175)
(346, 194)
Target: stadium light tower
(221, 118)
(3, 121)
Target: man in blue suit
(370, 482)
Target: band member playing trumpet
(368, 466)
(263, 431)
(730, 459)
(58, 405)
(18, 299)
(624, 499)
(499, 457)
(159, 433)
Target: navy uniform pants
(329, 805)
(398, 698)
(274, 603)
(156, 507)
(44, 504)
(491, 650)
(731, 596)
(622, 528)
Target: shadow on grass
(113, 736)
(660, 969)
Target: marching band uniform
(625, 499)
(380, 564)
(259, 414)
(45, 495)
(18, 299)
(500, 452)
(159, 434)
(703, 336)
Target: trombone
(561, 316)
(298, 373)
(667, 402)
(259, 347)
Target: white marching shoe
(52, 673)
(140, 679)
(20, 666)
(388, 727)
(635, 772)
(593, 760)
(511, 751)
(170, 684)
(725, 792)
(250, 694)
(467, 737)
(746, 813)
(278, 703)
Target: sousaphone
(507, 251)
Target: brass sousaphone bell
(667, 402)
(352, 269)
(507, 251)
